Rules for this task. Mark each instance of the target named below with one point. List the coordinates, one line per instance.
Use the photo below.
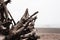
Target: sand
(48, 34)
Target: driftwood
(23, 29)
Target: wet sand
(49, 33)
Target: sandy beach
(49, 34)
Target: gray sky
(49, 11)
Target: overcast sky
(49, 11)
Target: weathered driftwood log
(4, 14)
(24, 29)
(19, 32)
(5, 11)
(24, 21)
(23, 26)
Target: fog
(49, 11)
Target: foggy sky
(49, 11)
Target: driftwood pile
(22, 30)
